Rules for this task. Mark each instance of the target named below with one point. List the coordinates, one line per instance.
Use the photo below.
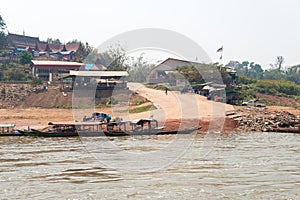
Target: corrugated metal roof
(7, 125)
(99, 73)
(49, 62)
(171, 64)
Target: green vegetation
(137, 103)
(201, 73)
(138, 69)
(3, 39)
(276, 81)
(25, 58)
(83, 51)
(251, 70)
(250, 87)
(276, 72)
(114, 58)
(13, 72)
(53, 41)
(283, 88)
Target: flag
(220, 49)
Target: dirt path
(180, 111)
(175, 105)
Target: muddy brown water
(231, 166)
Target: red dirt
(205, 124)
(279, 101)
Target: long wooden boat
(112, 129)
(11, 134)
(37, 133)
(67, 130)
(286, 130)
(159, 132)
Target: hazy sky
(253, 30)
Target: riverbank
(175, 111)
(39, 118)
(246, 119)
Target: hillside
(279, 101)
(52, 98)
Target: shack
(107, 81)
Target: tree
(248, 69)
(25, 57)
(118, 58)
(293, 74)
(3, 38)
(115, 58)
(53, 41)
(255, 71)
(73, 41)
(274, 74)
(98, 58)
(139, 69)
(190, 73)
(278, 63)
(2, 24)
(83, 52)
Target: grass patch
(142, 109)
(106, 106)
(137, 103)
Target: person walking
(166, 91)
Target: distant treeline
(276, 72)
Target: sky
(252, 30)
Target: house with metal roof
(53, 70)
(159, 73)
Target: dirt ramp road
(175, 105)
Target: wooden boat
(112, 129)
(8, 130)
(12, 134)
(286, 130)
(67, 130)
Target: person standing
(166, 91)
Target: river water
(233, 166)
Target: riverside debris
(253, 119)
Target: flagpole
(221, 58)
(221, 51)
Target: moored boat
(287, 130)
(8, 130)
(67, 130)
(112, 129)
